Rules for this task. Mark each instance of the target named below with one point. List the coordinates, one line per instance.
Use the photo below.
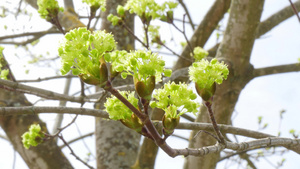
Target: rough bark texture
(235, 49)
(117, 146)
(47, 155)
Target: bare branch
(187, 13)
(72, 153)
(47, 78)
(39, 34)
(276, 70)
(4, 137)
(42, 92)
(276, 19)
(32, 110)
(244, 146)
(295, 10)
(204, 30)
(59, 117)
(77, 139)
(223, 129)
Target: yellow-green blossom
(81, 51)
(33, 137)
(140, 64)
(174, 97)
(96, 4)
(199, 53)
(48, 8)
(118, 110)
(205, 73)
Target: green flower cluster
(147, 10)
(96, 4)
(173, 97)
(82, 52)
(33, 137)
(48, 9)
(118, 110)
(199, 53)
(205, 73)
(4, 72)
(140, 64)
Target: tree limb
(204, 30)
(187, 13)
(41, 92)
(34, 110)
(276, 69)
(276, 19)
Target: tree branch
(187, 13)
(204, 30)
(35, 34)
(276, 70)
(276, 19)
(33, 110)
(41, 92)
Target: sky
(264, 96)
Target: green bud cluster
(155, 35)
(174, 97)
(118, 110)
(33, 137)
(4, 72)
(82, 52)
(48, 9)
(140, 64)
(147, 10)
(96, 4)
(206, 74)
(199, 53)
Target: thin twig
(206, 132)
(72, 152)
(47, 78)
(76, 139)
(295, 10)
(184, 34)
(187, 13)
(187, 59)
(214, 123)
(14, 86)
(135, 37)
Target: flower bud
(145, 90)
(170, 124)
(206, 93)
(133, 123)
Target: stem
(159, 141)
(135, 37)
(295, 10)
(183, 32)
(92, 16)
(58, 25)
(146, 34)
(214, 123)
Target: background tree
(113, 149)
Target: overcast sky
(263, 96)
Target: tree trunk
(235, 49)
(116, 145)
(47, 154)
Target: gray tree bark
(116, 145)
(235, 49)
